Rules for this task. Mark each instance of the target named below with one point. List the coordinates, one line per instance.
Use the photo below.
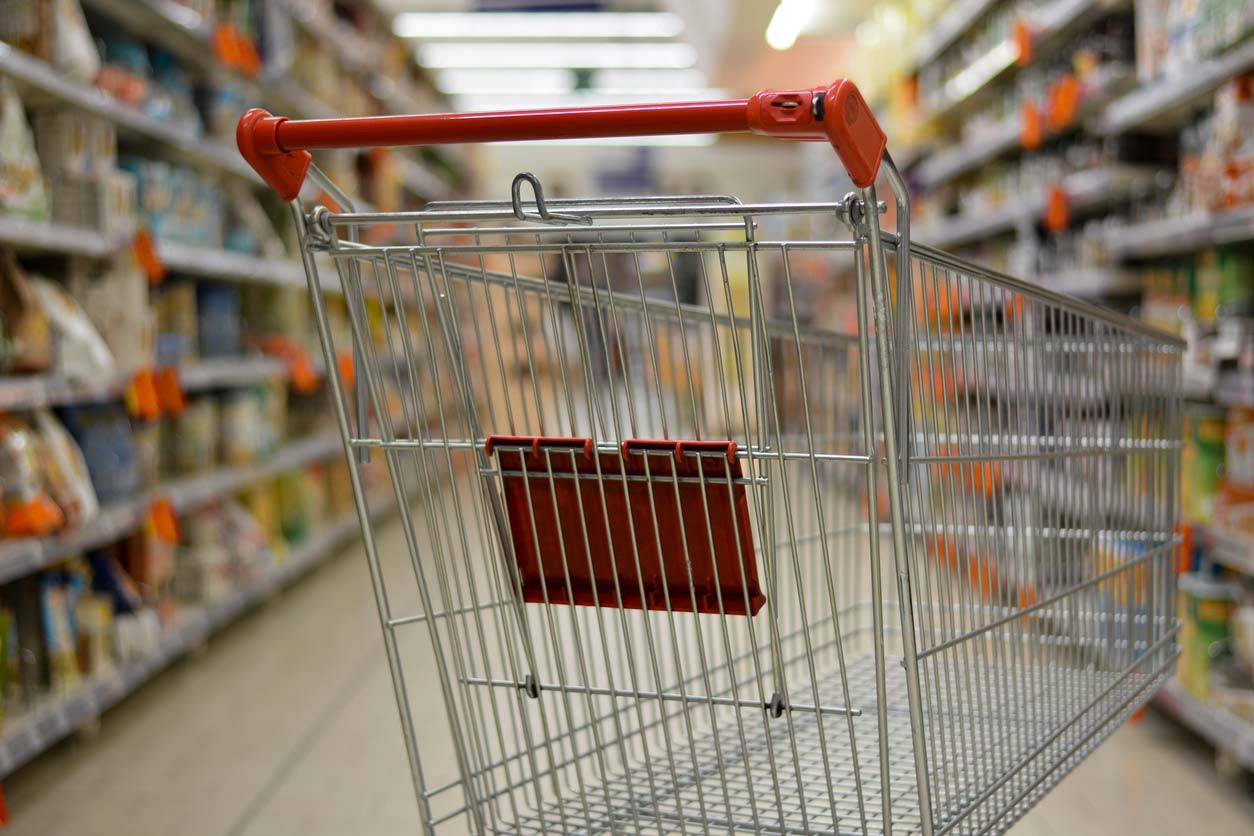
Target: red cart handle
(278, 148)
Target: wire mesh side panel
(605, 357)
(1041, 505)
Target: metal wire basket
(740, 518)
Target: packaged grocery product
(1203, 459)
(65, 471)
(103, 433)
(1206, 605)
(26, 327)
(21, 179)
(240, 426)
(59, 596)
(262, 503)
(194, 441)
(218, 319)
(93, 616)
(28, 649)
(81, 353)
(247, 538)
(73, 51)
(147, 437)
(177, 326)
(1239, 450)
(203, 571)
(298, 504)
(116, 301)
(28, 509)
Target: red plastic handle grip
(278, 148)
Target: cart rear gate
(737, 518)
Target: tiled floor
(287, 725)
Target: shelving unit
(1222, 729)
(1086, 191)
(1117, 235)
(31, 734)
(23, 556)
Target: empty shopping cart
(735, 517)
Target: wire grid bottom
(669, 795)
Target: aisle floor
(287, 725)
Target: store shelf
(1163, 105)
(1235, 389)
(949, 26)
(37, 391)
(34, 235)
(23, 556)
(1002, 138)
(33, 733)
(1053, 25)
(1086, 191)
(37, 79)
(969, 154)
(1231, 538)
(1223, 729)
(1171, 236)
(222, 264)
(1092, 282)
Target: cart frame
(924, 318)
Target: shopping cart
(673, 453)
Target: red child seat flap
(581, 519)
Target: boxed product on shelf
(300, 503)
(261, 501)
(53, 31)
(244, 436)
(1173, 36)
(203, 569)
(192, 440)
(178, 326)
(218, 320)
(116, 301)
(103, 432)
(73, 142)
(81, 353)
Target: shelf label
(1031, 134)
(1064, 103)
(146, 255)
(1057, 209)
(170, 396)
(1023, 37)
(163, 522)
(142, 400)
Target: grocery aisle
(288, 726)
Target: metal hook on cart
(542, 208)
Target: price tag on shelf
(1023, 37)
(163, 522)
(1057, 209)
(347, 367)
(147, 257)
(1031, 131)
(142, 400)
(1064, 103)
(170, 396)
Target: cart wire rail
(737, 518)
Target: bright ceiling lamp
(791, 16)
(541, 55)
(454, 26)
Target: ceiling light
(553, 82)
(791, 16)
(433, 26)
(590, 56)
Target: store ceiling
(495, 53)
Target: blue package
(218, 319)
(103, 432)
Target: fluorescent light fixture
(560, 55)
(538, 26)
(557, 82)
(678, 140)
(495, 100)
(791, 16)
